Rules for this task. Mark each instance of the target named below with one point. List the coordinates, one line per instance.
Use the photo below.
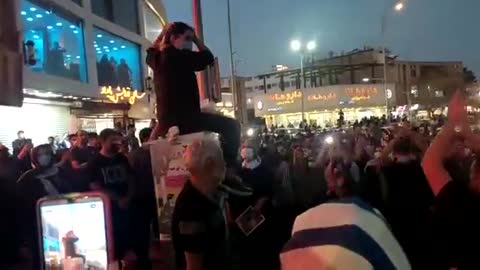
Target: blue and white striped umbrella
(340, 235)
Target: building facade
(84, 66)
(354, 83)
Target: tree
(469, 76)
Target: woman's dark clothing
(178, 98)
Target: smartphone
(75, 231)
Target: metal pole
(384, 49)
(301, 85)
(232, 67)
(198, 25)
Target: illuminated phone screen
(74, 234)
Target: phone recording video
(73, 233)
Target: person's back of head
(42, 156)
(204, 159)
(144, 135)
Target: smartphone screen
(73, 233)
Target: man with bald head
(199, 228)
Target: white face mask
(188, 45)
(44, 160)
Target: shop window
(53, 42)
(118, 61)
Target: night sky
(262, 29)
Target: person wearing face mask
(111, 173)
(45, 179)
(258, 250)
(199, 226)
(178, 98)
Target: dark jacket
(176, 86)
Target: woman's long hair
(171, 29)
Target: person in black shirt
(133, 143)
(18, 143)
(81, 154)
(111, 173)
(199, 232)
(143, 204)
(456, 204)
(44, 179)
(178, 99)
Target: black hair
(403, 146)
(107, 133)
(71, 136)
(344, 170)
(20, 131)
(34, 153)
(92, 135)
(145, 134)
(130, 126)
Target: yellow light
(120, 94)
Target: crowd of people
(420, 179)
(112, 162)
(388, 194)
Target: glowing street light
(399, 6)
(311, 45)
(295, 45)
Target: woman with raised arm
(456, 204)
(178, 99)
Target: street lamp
(296, 46)
(399, 6)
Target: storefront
(38, 118)
(323, 104)
(226, 105)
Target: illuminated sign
(320, 97)
(260, 105)
(287, 96)
(120, 94)
(389, 94)
(361, 92)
